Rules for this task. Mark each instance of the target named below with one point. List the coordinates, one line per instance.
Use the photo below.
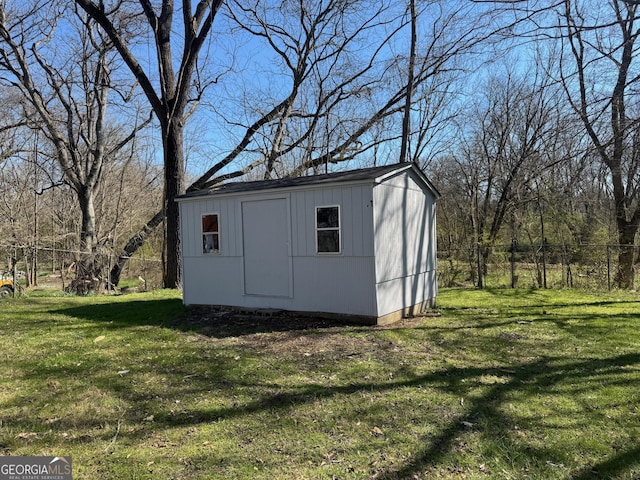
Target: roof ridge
(360, 174)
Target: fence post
(544, 262)
(108, 282)
(609, 267)
(479, 252)
(14, 270)
(514, 279)
(567, 258)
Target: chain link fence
(32, 267)
(590, 267)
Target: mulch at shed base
(220, 322)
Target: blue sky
(251, 78)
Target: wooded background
(523, 114)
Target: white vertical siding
(356, 217)
(404, 292)
(402, 230)
(387, 260)
(335, 284)
(190, 217)
(327, 284)
(214, 278)
(404, 225)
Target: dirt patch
(222, 322)
(288, 333)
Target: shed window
(328, 229)
(210, 233)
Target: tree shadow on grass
(131, 313)
(537, 377)
(612, 466)
(485, 413)
(211, 321)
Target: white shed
(360, 243)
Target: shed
(360, 243)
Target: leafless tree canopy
(514, 108)
(61, 63)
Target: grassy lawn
(503, 384)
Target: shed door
(267, 263)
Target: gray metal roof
(374, 174)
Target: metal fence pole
(480, 283)
(514, 280)
(609, 267)
(544, 262)
(14, 270)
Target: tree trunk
(86, 267)
(88, 233)
(174, 186)
(618, 149)
(132, 246)
(626, 258)
(406, 119)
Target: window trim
(327, 229)
(203, 233)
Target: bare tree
(65, 88)
(12, 125)
(313, 42)
(600, 79)
(177, 92)
(335, 78)
(17, 198)
(509, 145)
(598, 45)
(357, 78)
(406, 117)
